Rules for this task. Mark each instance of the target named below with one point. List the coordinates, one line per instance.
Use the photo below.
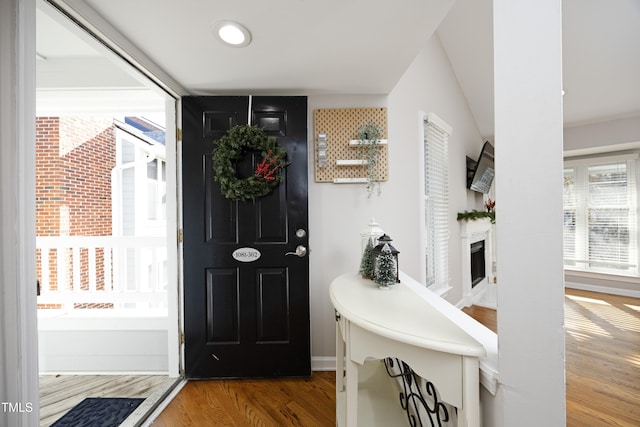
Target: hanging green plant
(369, 135)
(232, 147)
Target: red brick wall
(47, 188)
(48, 177)
(88, 156)
(74, 159)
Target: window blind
(600, 220)
(436, 199)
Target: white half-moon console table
(376, 324)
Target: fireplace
(477, 259)
(478, 270)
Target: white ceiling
(312, 46)
(600, 49)
(350, 47)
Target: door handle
(301, 251)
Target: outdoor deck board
(60, 393)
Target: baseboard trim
(603, 289)
(323, 363)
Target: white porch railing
(124, 272)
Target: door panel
(222, 305)
(220, 213)
(273, 122)
(273, 305)
(216, 123)
(245, 319)
(270, 218)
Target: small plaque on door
(246, 254)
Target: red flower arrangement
(268, 166)
(490, 204)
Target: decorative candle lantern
(370, 234)
(378, 252)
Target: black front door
(245, 318)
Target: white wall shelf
(356, 142)
(350, 180)
(352, 162)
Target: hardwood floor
(602, 357)
(60, 393)
(484, 315)
(603, 377)
(261, 402)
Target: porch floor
(60, 393)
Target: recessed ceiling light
(231, 33)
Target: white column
(528, 137)
(18, 323)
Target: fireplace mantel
(471, 232)
(479, 226)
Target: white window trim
(594, 161)
(603, 159)
(442, 287)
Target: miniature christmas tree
(367, 262)
(385, 272)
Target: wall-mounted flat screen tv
(480, 174)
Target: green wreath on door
(232, 147)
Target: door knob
(301, 251)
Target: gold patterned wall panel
(341, 126)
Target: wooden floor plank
(602, 371)
(602, 339)
(70, 387)
(250, 403)
(60, 393)
(484, 315)
(602, 357)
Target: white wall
(85, 345)
(429, 86)
(338, 213)
(599, 135)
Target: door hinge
(181, 337)
(180, 236)
(179, 134)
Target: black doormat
(98, 412)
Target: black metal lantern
(377, 251)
